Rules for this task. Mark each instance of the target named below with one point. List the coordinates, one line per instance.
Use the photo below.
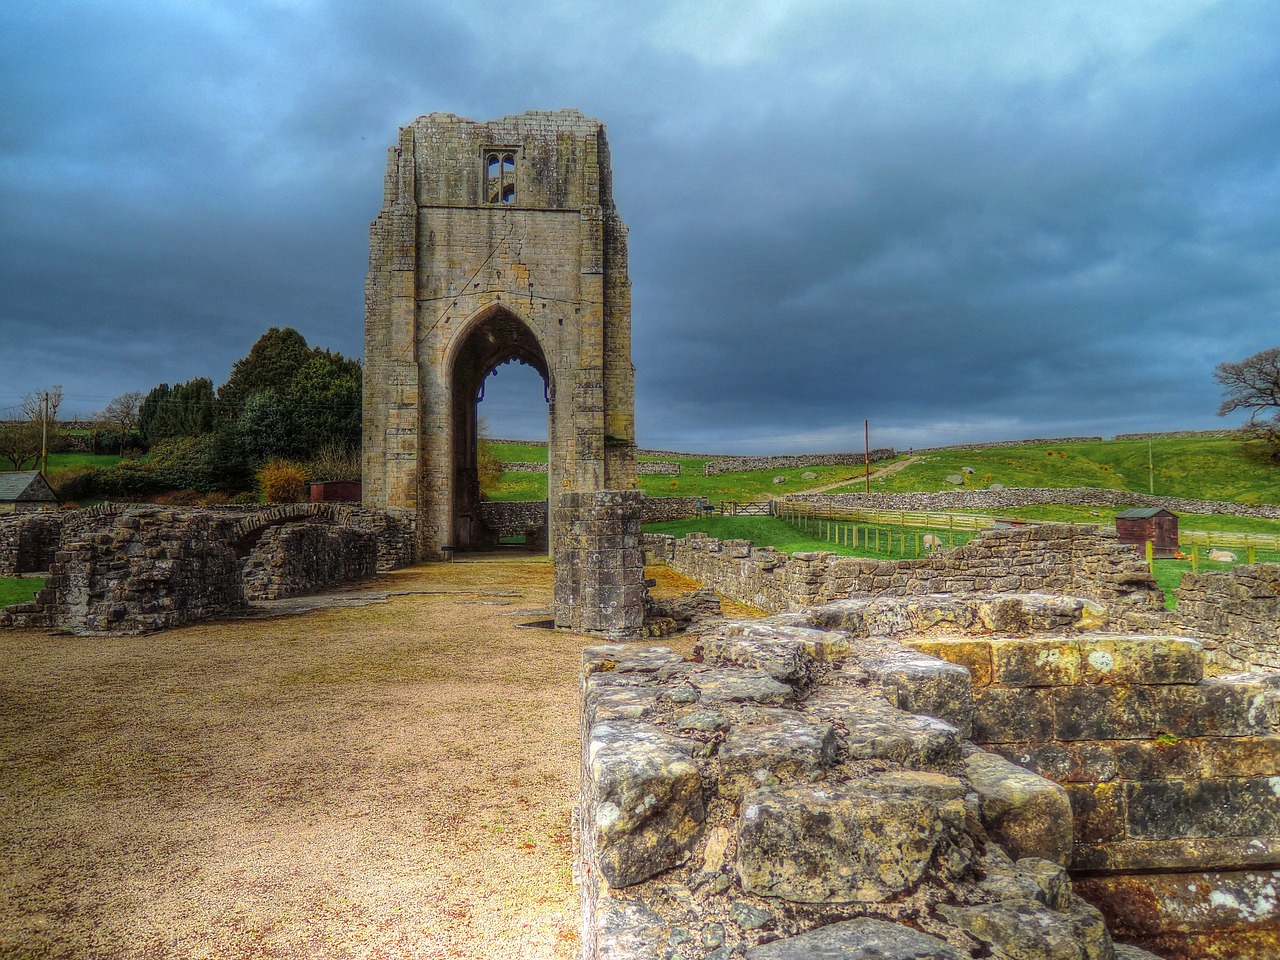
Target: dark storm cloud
(961, 221)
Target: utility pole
(1151, 470)
(866, 448)
(44, 432)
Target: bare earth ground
(381, 781)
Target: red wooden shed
(1149, 524)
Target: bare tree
(25, 439)
(122, 414)
(1254, 384)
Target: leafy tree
(21, 439)
(122, 414)
(1254, 384)
(264, 429)
(488, 466)
(187, 410)
(271, 364)
(323, 398)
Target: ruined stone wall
(1048, 558)
(28, 542)
(514, 517)
(135, 568)
(772, 799)
(1237, 614)
(785, 791)
(301, 558)
(1170, 775)
(147, 570)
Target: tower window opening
(500, 176)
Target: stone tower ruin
(496, 241)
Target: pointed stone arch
(463, 276)
(494, 336)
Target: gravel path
(382, 781)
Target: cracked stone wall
(813, 784)
(1047, 558)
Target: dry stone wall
(1048, 558)
(1237, 614)
(736, 464)
(1011, 498)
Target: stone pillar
(599, 563)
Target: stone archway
(495, 241)
(496, 337)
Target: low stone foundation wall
(1237, 614)
(301, 558)
(1048, 558)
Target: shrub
(334, 462)
(283, 481)
(78, 483)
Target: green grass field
(18, 591)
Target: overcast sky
(961, 221)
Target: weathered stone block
(921, 684)
(973, 655)
(1036, 662)
(1083, 761)
(869, 728)
(772, 747)
(645, 807)
(861, 939)
(1027, 815)
(1176, 809)
(1116, 658)
(1098, 810)
(1012, 716)
(1028, 930)
(834, 843)
(738, 685)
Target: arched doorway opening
(496, 339)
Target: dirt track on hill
(383, 781)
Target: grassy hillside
(1203, 468)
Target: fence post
(1151, 556)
